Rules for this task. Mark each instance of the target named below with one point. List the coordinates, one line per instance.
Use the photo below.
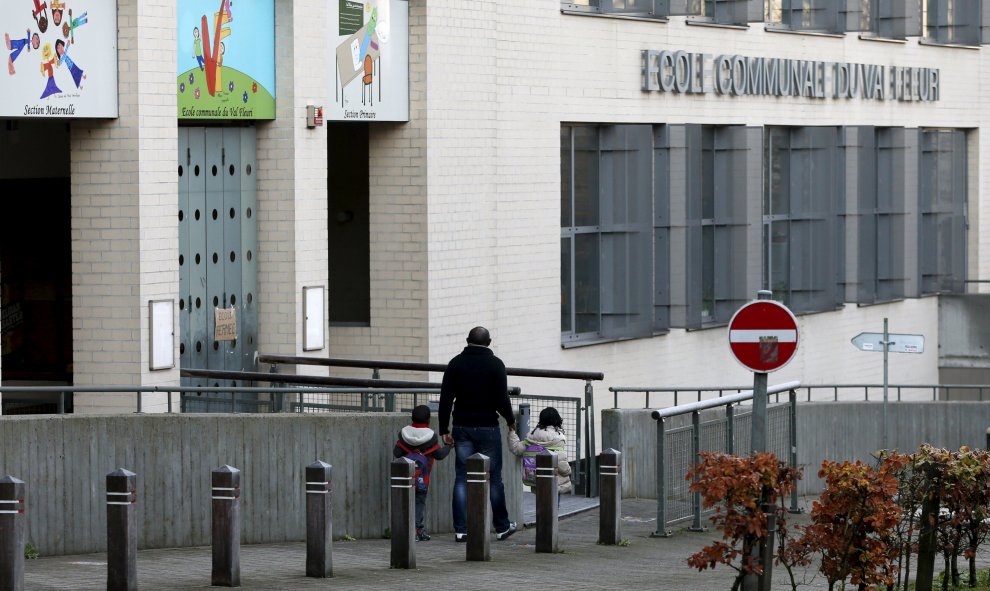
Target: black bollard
(226, 496)
(610, 497)
(319, 520)
(121, 531)
(547, 540)
(479, 508)
(11, 534)
(403, 471)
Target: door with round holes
(218, 270)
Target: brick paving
(646, 563)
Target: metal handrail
(716, 402)
(835, 388)
(414, 366)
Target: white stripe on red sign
(754, 336)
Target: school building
(602, 183)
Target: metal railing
(678, 449)
(583, 411)
(812, 393)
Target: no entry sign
(763, 336)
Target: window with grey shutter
(811, 15)
(661, 228)
(677, 150)
(626, 229)
(892, 146)
(856, 15)
(942, 211)
(645, 8)
(953, 21)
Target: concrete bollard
(403, 471)
(479, 508)
(11, 534)
(121, 531)
(226, 525)
(547, 540)
(610, 497)
(319, 520)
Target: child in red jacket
(420, 444)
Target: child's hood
(546, 437)
(416, 436)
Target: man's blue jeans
(467, 442)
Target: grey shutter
(860, 147)
(855, 15)
(633, 7)
(910, 12)
(891, 162)
(737, 156)
(984, 22)
(813, 198)
(732, 12)
(684, 7)
(909, 176)
(681, 148)
(939, 28)
(966, 25)
(626, 212)
(661, 227)
(942, 205)
(755, 12)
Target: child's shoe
(422, 536)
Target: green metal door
(218, 238)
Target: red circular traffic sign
(763, 336)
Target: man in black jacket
(475, 385)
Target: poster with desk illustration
(369, 72)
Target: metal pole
(319, 520)
(169, 394)
(696, 452)
(730, 429)
(758, 437)
(793, 410)
(138, 402)
(11, 534)
(547, 526)
(886, 347)
(589, 401)
(121, 531)
(662, 531)
(402, 471)
(479, 509)
(610, 488)
(226, 527)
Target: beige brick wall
(398, 180)
(124, 224)
(292, 182)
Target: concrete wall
(826, 431)
(64, 462)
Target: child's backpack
(423, 464)
(529, 462)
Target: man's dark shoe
(460, 537)
(505, 534)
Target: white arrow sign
(897, 343)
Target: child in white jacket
(548, 434)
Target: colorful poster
(226, 59)
(61, 58)
(369, 65)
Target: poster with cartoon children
(226, 59)
(60, 62)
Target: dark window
(348, 224)
(942, 208)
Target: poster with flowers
(61, 58)
(226, 59)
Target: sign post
(763, 336)
(889, 343)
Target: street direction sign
(897, 343)
(763, 336)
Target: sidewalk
(646, 563)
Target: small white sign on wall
(315, 318)
(162, 337)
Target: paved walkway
(646, 563)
